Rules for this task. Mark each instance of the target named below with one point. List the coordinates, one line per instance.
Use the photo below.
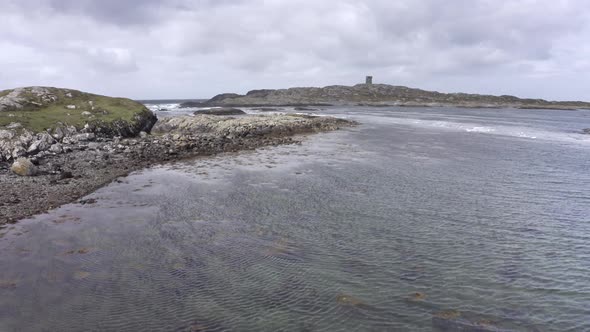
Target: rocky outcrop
(221, 111)
(377, 95)
(250, 126)
(42, 120)
(81, 162)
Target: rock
(586, 131)
(453, 320)
(23, 167)
(43, 143)
(71, 107)
(8, 284)
(84, 137)
(14, 125)
(65, 175)
(349, 300)
(143, 134)
(71, 130)
(56, 148)
(58, 133)
(18, 152)
(7, 134)
(417, 297)
(86, 113)
(221, 111)
(94, 146)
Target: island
(377, 95)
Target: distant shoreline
(376, 95)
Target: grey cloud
(191, 48)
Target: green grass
(39, 118)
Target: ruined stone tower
(369, 80)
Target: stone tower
(369, 80)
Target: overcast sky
(198, 48)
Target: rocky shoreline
(85, 163)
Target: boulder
(23, 167)
(221, 111)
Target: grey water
(416, 220)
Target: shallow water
(379, 227)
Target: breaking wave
(490, 129)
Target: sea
(418, 219)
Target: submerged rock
(417, 297)
(349, 300)
(7, 284)
(453, 320)
(221, 111)
(23, 167)
(81, 275)
(268, 109)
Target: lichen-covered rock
(23, 167)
